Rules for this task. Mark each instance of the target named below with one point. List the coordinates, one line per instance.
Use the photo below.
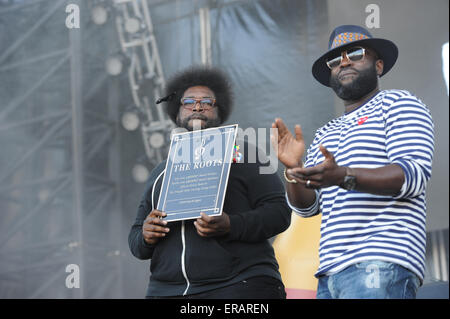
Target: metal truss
(145, 72)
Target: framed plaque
(196, 175)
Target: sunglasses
(353, 54)
(206, 103)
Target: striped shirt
(394, 127)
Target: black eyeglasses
(206, 103)
(353, 54)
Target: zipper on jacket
(183, 253)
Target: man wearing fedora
(366, 172)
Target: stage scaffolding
(61, 180)
(65, 159)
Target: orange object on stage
(297, 252)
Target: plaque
(196, 174)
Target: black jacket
(183, 262)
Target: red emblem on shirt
(362, 120)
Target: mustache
(347, 69)
(197, 117)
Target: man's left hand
(326, 174)
(212, 226)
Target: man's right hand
(153, 228)
(290, 148)
(290, 152)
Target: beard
(365, 82)
(208, 122)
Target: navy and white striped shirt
(394, 127)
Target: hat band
(347, 37)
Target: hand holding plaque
(212, 226)
(154, 227)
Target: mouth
(346, 74)
(197, 118)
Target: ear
(219, 117)
(218, 113)
(379, 65)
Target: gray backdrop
(266, 46)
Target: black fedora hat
(346, 36)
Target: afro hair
(213, 78)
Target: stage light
(132, 25)
(156, 140)
(114, 65)
(99, 14)
(130, 120)
(43, 195)
(140, 173)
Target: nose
(345, 60)
(197, 107)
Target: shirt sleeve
(313, 210)
(138, 247)
(410, 143)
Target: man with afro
(221, 257)
(216, 86)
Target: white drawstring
(153, 189)
(183, 240)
